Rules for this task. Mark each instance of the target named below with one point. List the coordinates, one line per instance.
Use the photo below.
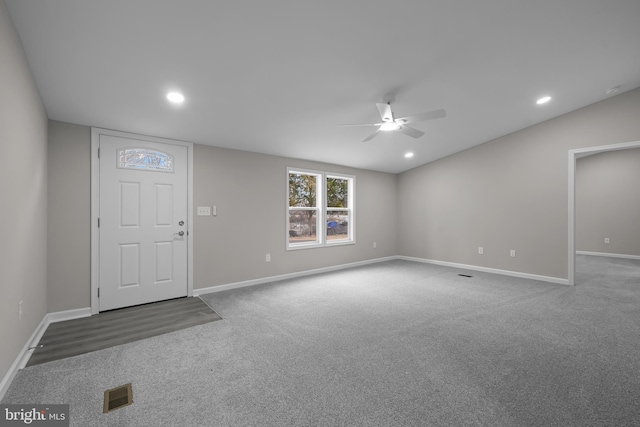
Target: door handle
(180, 233)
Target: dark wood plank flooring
(116, 327)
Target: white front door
(142, 222)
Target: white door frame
(574, 155)
(95, 206)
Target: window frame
(350, 209)
(322, 209)
(318, 208)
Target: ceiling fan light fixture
(387, 126)
(390, 123)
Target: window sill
(340, 242)
(321, 245)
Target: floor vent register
(117, 397)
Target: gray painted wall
(248, 190)
(69, 256)
(510, 193)
(250, 194)
(23, 191)
(608, 202)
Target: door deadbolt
(181, 223)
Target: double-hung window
(320, 208)
(305, 212)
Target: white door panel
(143, 210)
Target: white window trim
(351, 209)
(321, 202)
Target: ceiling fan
(390, 123)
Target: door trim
(95, 206)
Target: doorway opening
(574, 155)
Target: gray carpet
(390, 344)
(117, 327)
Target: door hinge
(98, 292)
(98, 222)
(98, 152)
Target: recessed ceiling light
(175, 97)
(543, 100)
(408, 155)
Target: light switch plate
(204, 210)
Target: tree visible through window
(338, 212)
(303, 207)
(320, 209)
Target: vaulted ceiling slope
(277, 77)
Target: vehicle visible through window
(320, 209)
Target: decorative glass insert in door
(144, 159)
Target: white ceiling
(277, 76)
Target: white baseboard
(60, 316)
(557, 280)
(236, 285)
(605, 254)
(23, 357)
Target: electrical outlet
(268, 258)
(512, 253)
(607, 240)
(480, 250)
(375, 245)
(20, 310)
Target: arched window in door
(145, 159)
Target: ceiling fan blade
(429, 115)
(359, 124)
(412, 132)
(370, 137)
(385, 112)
